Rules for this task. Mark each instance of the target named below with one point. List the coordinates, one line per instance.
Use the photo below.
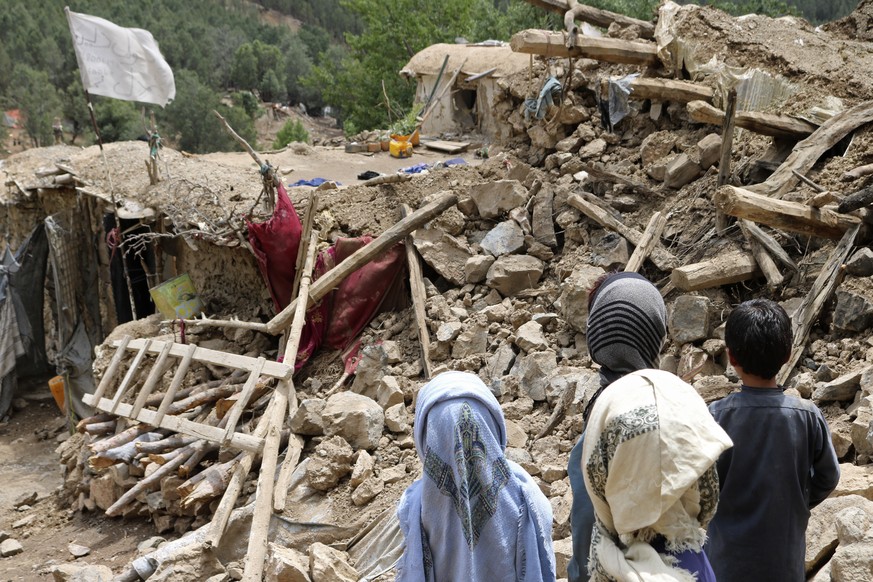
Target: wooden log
(289, 464)
(387, 179)
(596, 16)
(764, 260)
(96, 419)
(112, 369)
(822, 199)
(122, 454)
(650, 238)
(201, 449)
(860, 199)
(770, 243)
(121, 438)
(419, 298)
(308, 222)
(824, 286)
(724, 269)
(284, 394)
(201, 398)
(165, 444)
(99, 428)
(213, 483)
(781, 214)
(806, 153)
(153, 480)
(609, 50)
(858, 172)
(657, 89)
(364, 255)
(762, 123)
(724, 164)
(660, 257)
(598, 172)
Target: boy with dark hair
(782, 463)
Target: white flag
(124, 63)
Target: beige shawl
(648, 461)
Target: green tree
(117, 120)
(36, 97)
(292, 131)
(244, 72)
(75, 109)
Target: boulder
(574, 295)
(286, 565)
(563, 554)
(853, 312)
(329, 565)
(855, 480)
(356, 418)
(530, 337)
(393, 474)
(396, 418)
(498, 197)
(446, 254)
(532, 369)
(367, 491)
(709, 150)
(861, 263)
(860, 429)
(516, 437)
(689, 318)
(448, 331)
(307, 420)
(543, 138)
(81, 573)
(476, 268)
(821, 532)
(386, 392)
(10, 547)
(504, 239)
(680, 171)
(853, 525)
(593, 149)
(841, 389)
(330, 462)
(712, 388)
(500, 362)
(543, 223)
(853, 562)
(513, 273)
(473, 340)
(363, 469)
(610, 250)
(656, 146)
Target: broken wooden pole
(598, 173)
(609, 50)
(388, 179)
(596, 16)
(660, 257)
(824, 286)
(858, 172)
(762, 123)
(806, 153)
(308, 222)
(179, 457)
(764, 260)
(656, 89)
(419, 298)
(856, 200)
(256, 555)
(781, 214)
(364, 255)
(771, 244)
(732, 267)
(650, 238)
(724, 164)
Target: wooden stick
(272, 175)
(650, 238)
(154, 376)
(654, 89)
(827, 281)
(598, 172)
(201, 449)
(768, 242)
(808, 182)
(660, 257)
(721, 270)
(764, 260)
(243, 401)
(609, 50)
(131, 373)
(419, 298)
(121, 438)
(724, 165)
(856, 200)
(112, 369)
(257, 548)
(179, 457)
(228, 323)
(289, 463)
(96, 419)
(762, 123)
(308, 221)
(596, 16)
(99, 428)
(789, 216)
(387, 179)
(364, 255)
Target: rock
(370, 370)
(574, 295)
(78, 551)
(561, 507)
(712, 388)
(3, 536)
(307, 420)
(543, 138)
(396, 418)
(393, 474)
(821, 532)
(476, 268)
(841, 389)
(504, 239)
(149, 545)
(500, 362)
(680, 171)
(473, 340)
(329, 565)
(853, 312)
(709, 150)
(804, 383)
(841, 434)
(861, 263)
(860, 428)
(852, 563)
(25, 499)
(446, 254)
(594, 149)
(656, 146)
(286, 565)
(513, 273)
(330, 462)
(569, 144)
(189, 563)
(530, 337)
(386, 392)
(563, 554)
(448, 331)
(24, 522)
(103, 490)
(694, 363)
(852, 525)
(855, 480)
(10, 547)
(81, 573)
(358, 419)
(552, 473)
(498, 197)
(532, 369)
(609, 251)
(543, 223)
(689, 318)
(516, 437)
(367, 491)
(393, 352)
(363, 469)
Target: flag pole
(120, 241)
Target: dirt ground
(29, 464)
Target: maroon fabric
(275, 243)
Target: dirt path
(29, 464)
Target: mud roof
(479, 58)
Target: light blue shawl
(474, 515)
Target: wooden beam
(806, 153)
(419, 298)
(650, 238)
(598, 173)
(770, 243)
(724, 164)
(363, 256)
(596, 16)
(827, 281)
(658, 89)
(660, 257)
(764, 260)
(856, 200)
(781, 214)
(609, 50)
(763, 123)
(724, 269)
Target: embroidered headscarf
(474, 515)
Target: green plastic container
(177, 298)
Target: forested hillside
(343, 54)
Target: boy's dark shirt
(782, 465)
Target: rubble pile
(506, 276)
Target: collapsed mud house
(636, 157)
